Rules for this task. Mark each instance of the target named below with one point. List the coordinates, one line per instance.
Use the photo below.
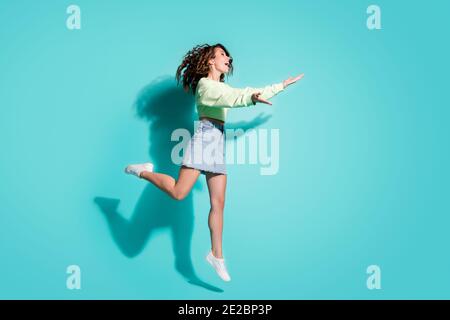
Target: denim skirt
(206, 149)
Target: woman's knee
(179, 194)
(218, 203)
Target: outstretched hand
(256, 96)
(292, 80)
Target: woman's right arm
(222, 95)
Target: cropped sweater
(214, 98)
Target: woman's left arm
(263, 94)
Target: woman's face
(221, 61)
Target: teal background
(364, 154)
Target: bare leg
(176, 189)
(216, 186)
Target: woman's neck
(214, 75)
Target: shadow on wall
(166, 107)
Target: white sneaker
(137, 169)
(219, 266)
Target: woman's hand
(256, 98)
(292, 80)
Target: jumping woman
(203, 71)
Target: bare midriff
(213, 120)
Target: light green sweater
(213, 98)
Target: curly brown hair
(195, 65)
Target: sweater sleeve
(222, 95)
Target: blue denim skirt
(206, 149)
